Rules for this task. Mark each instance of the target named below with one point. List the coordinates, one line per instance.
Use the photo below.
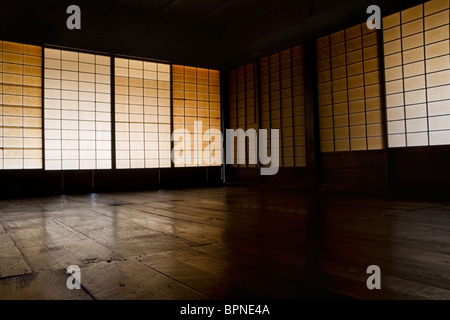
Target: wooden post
(311, 115)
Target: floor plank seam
(426, 208)
(139, 225)
(180, 219)
(18, 249)
(176, 280)
(82, 286)
(114, 255)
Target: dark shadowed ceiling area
(212, 33)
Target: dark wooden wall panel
(103, 181)
(195, 177)
(136, 179)
(242, 175)
(354, 171)
(288, 177)
(22, 181)
(77, 181)
(420, 170)
(40, 182)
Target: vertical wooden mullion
(281, 111)
(113, 113)
(172, 165)
(22, 109)
(60, 116)
(403, 80)
(237, 113)
(129, 118)
(42, 106)
(246, 165)
(143, 114)
(291, 71)
(269, 69)
(257, 76)
(255, 93)
(209, 117)
(331, 89)
(383, 107)
(346, 90)
(95, 112)
(184, 115)
(425, 75)
(224, 85)
(382, 89)
(311, 113)
(196, 119)
(364, 89)
(2, 112)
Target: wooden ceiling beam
(170, 6)
(217, 10)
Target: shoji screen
(349, 90)
(233, 113)
(292, 108)
(271, 97)
(77, 110)
(196, 98)
(20, 106)
(417, 71)
(142, 112)
(282, 103)
(243, 104)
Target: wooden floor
(224, 243)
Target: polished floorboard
(234, 242)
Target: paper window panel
(284, 104)
(196, 94)
(143, 114)
(20, 106)
(273, 100)
(247, 115)
(349, 90)
(276, 121)
(77, 110)
(241, 104)
(265, 93)
(417, 68)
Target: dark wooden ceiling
(159, 29)
(210, 13)
(205, 16)
(210, 33)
